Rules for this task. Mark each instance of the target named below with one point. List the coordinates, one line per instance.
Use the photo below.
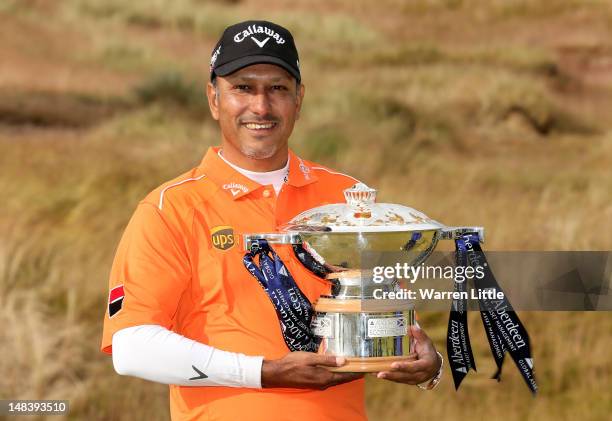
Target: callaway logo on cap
(253, 42)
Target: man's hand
(304, 370)
(424, 368)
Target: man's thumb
(417, 333)
(328, 360)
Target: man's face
(256, 108)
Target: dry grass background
(495, 113)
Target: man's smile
(260, 126)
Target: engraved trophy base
(371, 334)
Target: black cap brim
(232, 66)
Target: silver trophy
(353, 322)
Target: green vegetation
(173, 89)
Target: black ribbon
(503, 327)
(293, 309)
(458, 348)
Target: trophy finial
(360, 197)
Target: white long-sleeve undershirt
(152, 352)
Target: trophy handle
(451, 233)
(251, 240)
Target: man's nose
(260, 103)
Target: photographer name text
(432, 294)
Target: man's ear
(300, 98)
(213, 101)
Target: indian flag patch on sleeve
(115, 300)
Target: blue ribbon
(293, 309)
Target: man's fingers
(413, 356)
(338, 378)
(402, 377)
(327, 360)
(410, 366)
(409, 369)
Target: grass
(472, 125)
(51, 109)
(174, 90)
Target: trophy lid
(361, 213)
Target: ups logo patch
(222, 237)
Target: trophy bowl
(351, 322)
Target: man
(183, 310)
